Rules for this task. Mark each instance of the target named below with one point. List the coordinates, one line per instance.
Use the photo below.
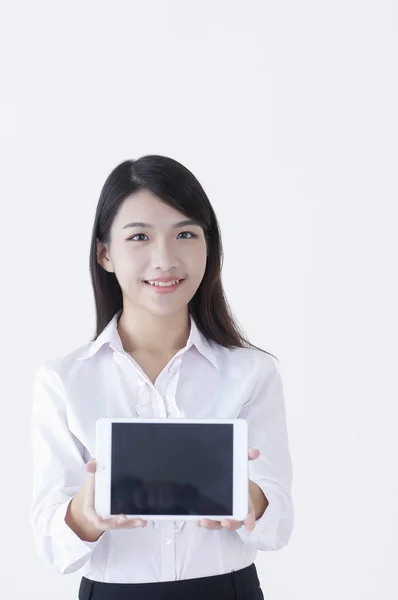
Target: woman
(166, 345)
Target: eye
(193, 235)
(136, 235)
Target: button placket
(144, 406)
(141, 397)
(167, 550)
(173, 410)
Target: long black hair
(175, 185)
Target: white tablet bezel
(240, 467)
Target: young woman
(166, 345)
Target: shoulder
(61, 368)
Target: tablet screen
(172, 468)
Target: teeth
(163, 283)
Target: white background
(287, 114)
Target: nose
(164, 256)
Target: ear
(103, 257)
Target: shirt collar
(110, 336)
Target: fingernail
(224, 523)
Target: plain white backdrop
(287, 114)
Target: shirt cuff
(264, 536)
(70, 551)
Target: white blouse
(202, 380)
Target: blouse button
(167, 540)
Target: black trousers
(240, 585)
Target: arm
(271, 473)
(58, 475)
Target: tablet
(172, 468)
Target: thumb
(89, 485)
(253, 453)
(91, 466)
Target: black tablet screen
(174, 469)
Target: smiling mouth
(164, 284)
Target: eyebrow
(150, 226)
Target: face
(160, 247)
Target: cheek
(129, 268)
(195, 259)
(196, 271)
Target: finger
(231, 524)
(136, 523)
(123, 522)
(116, 522)
(91, 466)
(210, 524)
(89, 496)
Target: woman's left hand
(249, 521)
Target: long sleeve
(58, 474)
(265, 415)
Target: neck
(142, 331)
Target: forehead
(145, 206)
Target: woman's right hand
(87, 497)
